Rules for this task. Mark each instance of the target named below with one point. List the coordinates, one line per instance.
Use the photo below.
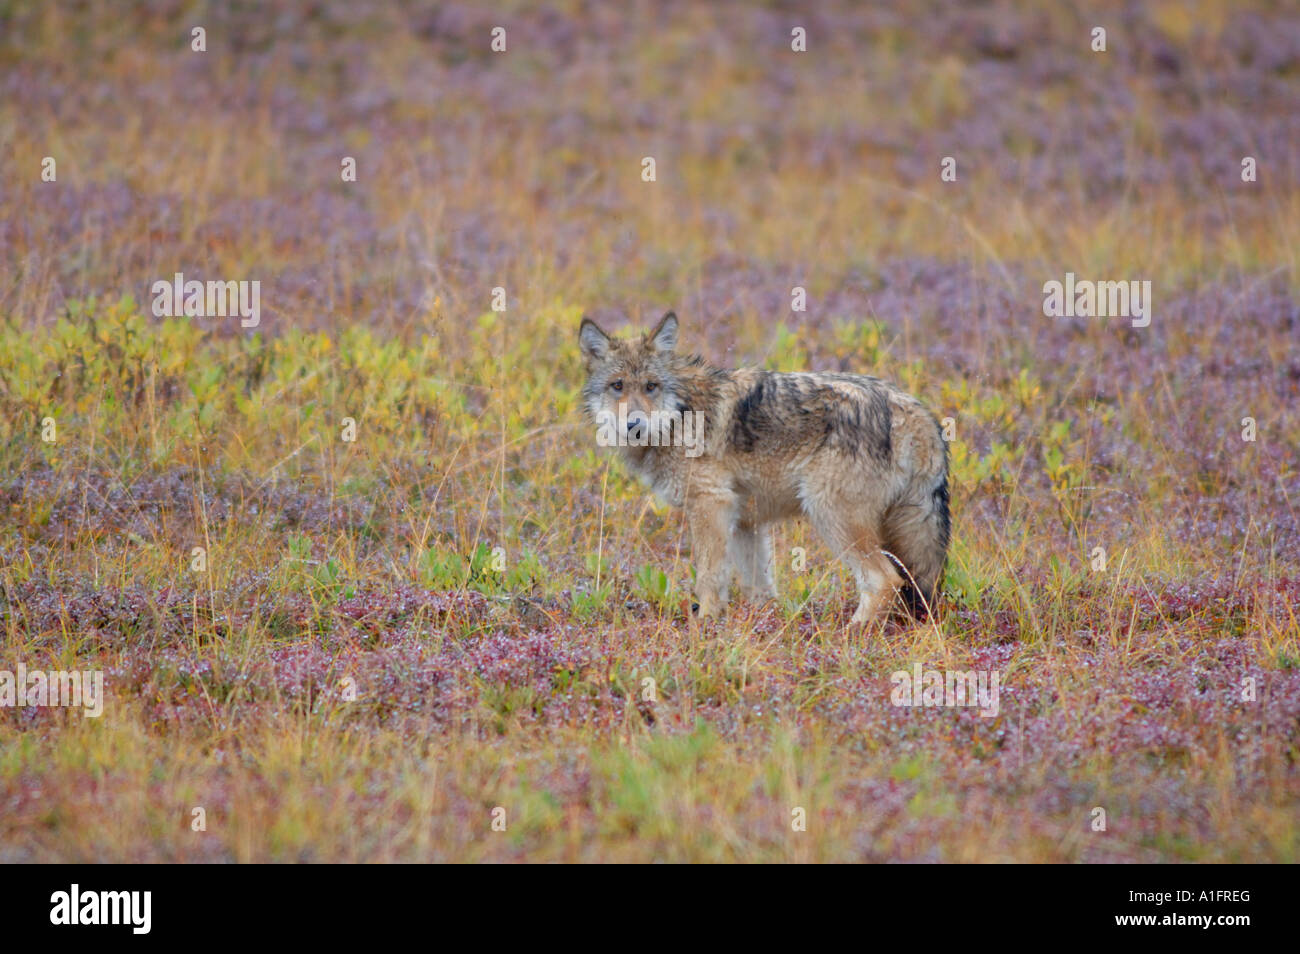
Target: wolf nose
(635, 421)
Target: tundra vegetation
(319, 648)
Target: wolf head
(635, 387)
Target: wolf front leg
(751, 555)
(712, 518)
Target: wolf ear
(664, 337)
(594, 342)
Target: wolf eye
(651, 386)
(617, 385)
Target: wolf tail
(917, 533)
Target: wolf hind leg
(878, 585)
(916, 531)
(857, 544)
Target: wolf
(863, 461)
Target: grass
(360, 649)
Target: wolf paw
(706, 609)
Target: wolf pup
(865, 462)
